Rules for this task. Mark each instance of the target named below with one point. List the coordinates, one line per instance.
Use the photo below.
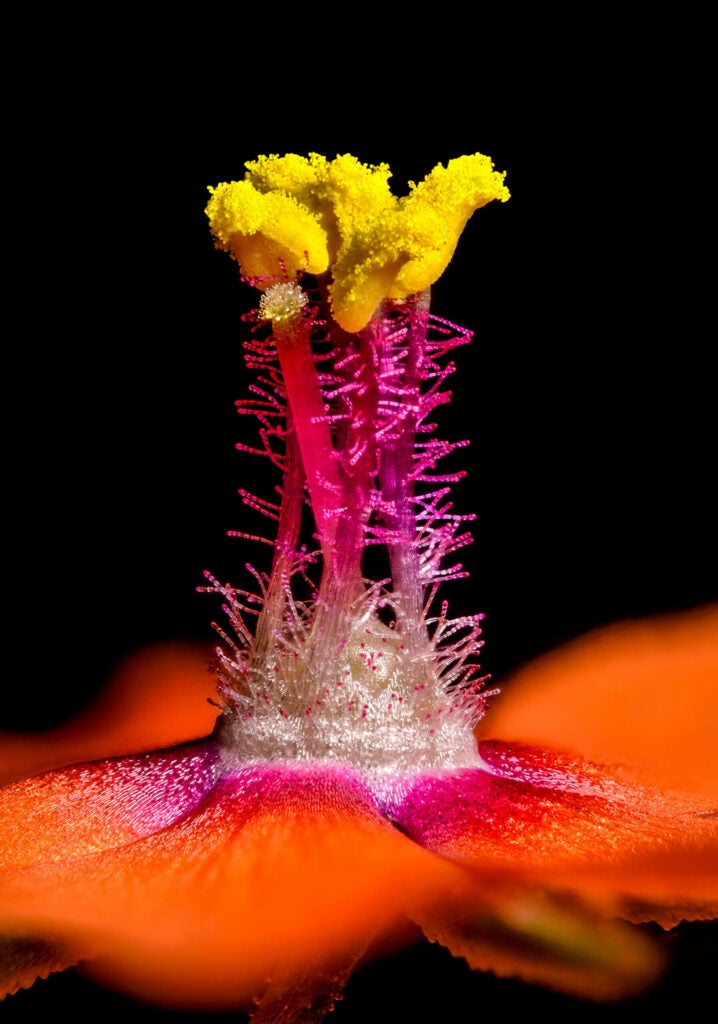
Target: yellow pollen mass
(340, 216)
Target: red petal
(643, 694)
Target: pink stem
(312, 430)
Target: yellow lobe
(343, 194)
(435, 213)
(360, 196)
(365, 269)
(263, 230)
(297, 176)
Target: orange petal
(281, 871)
(543, 938)
(24, 960)
(567, 823)
(156, 698)
(277, 865)
(305, 996)
(80, 810)
(643, 694)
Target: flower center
(376, 705)
(349, 662)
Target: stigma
(282, 303)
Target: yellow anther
(314, 214)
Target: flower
(352, 780)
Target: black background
(587, 393)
